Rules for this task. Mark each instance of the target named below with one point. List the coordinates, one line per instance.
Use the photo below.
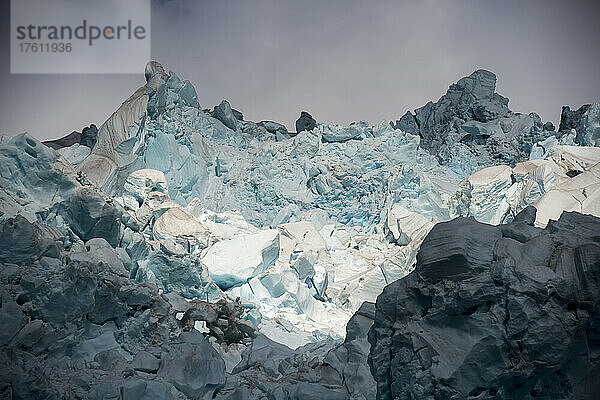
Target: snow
(181, 228)
(406, 226)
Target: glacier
(256, 245)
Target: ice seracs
(349, 205)
(483, 194)
(140, 183)
(406, 226)
(566, 180)
(185, 230)
(588, 130)
(472, 123)
(236, 260)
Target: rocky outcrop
(75, 326)
(224, 113)
(473, 122)
(305, 123)
(502, 312)
(569, 119)
(588, 130)
(87, 137)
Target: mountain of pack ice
(315, 177)
(305, 228)
(248, 230)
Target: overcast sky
(340, 60)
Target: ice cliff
(177, 236)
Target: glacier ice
(236, 260)
(348, 205)
(75, 154)
(243, 228)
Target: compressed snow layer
(566, 180)
(580, 193)
(178, 225)
(406, 226)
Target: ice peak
(154, 68)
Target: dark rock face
(407, 123)
(472, 121)
(305, 123)
(494, 312)
(65, 141)
(87, 137)
(323, 370)
(570, 119)
(224, 113)
(73, 325)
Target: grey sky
(340, 60)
